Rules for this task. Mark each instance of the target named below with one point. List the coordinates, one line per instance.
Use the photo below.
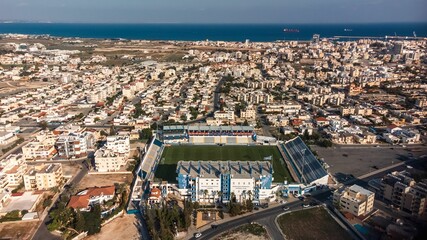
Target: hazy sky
(215, 11)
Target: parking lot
(358, 160)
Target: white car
(286, 208)
(197, 235)
(305, 205)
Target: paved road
(266, 216)
(42, 233)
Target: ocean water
(224, 32)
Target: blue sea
(223, 32)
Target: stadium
(175, 148)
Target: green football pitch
(173, 154)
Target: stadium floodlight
(303, 164)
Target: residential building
(74, 145)
(401, 190)
(107, 160)
(248, 114)
(87, 198)
(355, 200)
(43, 177)
(12, 169)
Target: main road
(265, 217)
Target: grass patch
(173, 154)
(313, 223)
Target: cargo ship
(292, 30)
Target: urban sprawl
(192, 138)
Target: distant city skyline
(219, 11)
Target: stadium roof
(303, 160)
(207, 128)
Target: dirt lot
(246, 232)
(98, 180)
(125, 227)
(17, 230)
(70, 170)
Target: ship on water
(348, 30)
(292, 30)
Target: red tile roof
(97, 191)
(82, 201)
(77, 202)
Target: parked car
(285, 208)
(305, 205)
(197, 235)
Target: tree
(93, 220)
(249, 205)
(80, 223)
(250, 195)
(219, 193)
(245, 123)
(183, 117)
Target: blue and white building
(219, 181)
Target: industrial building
(220, 181)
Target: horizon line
(209, 23)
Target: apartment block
(401, 190)
(355, 200)
(74, 145)
(43, 177)
(12, 169)
(106, 160)
(114, 154)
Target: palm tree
(250, 194)
(219, 193)
(233, 196)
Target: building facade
(43, 177)
(221, 181)
(355, 200)
(401, 190)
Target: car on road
(305, 205)
(301, 198)
(285, 208)
(214, 226)
(197, 235)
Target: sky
(215, 11)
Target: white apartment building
(12, 169)
(74, 145)
(106, 160)
(114, 154)
(43, 177)
(355, 200)
(40, 149)
(248, 114)
(119, 143)
(227, 116)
